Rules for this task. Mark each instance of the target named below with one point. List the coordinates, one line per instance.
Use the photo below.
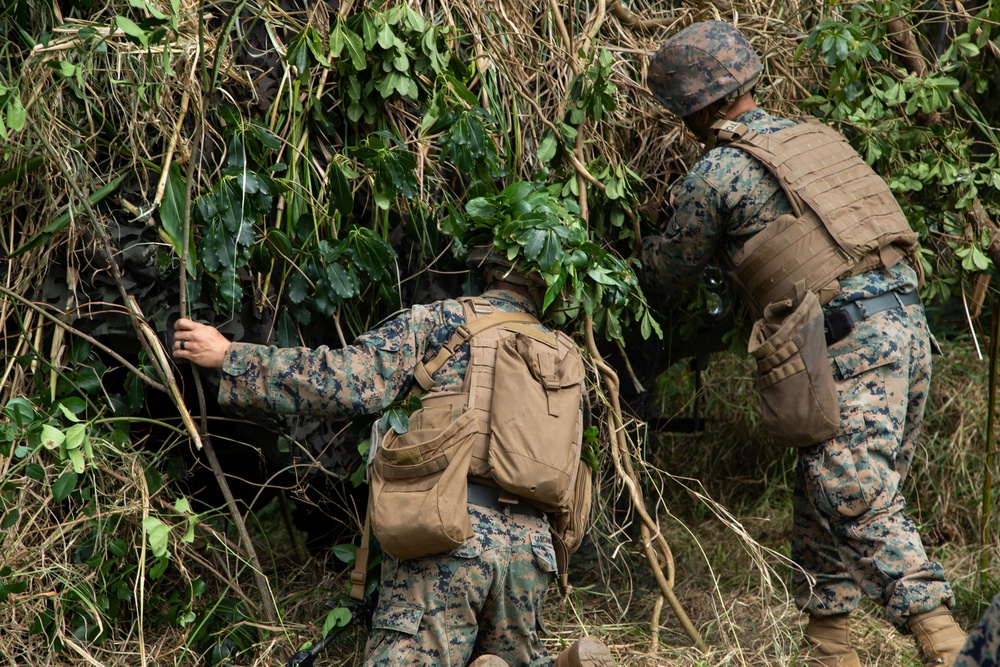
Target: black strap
(838, 322)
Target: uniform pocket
(846, 482)
(394, 625)
(545, 554)
(398, 617)
(854, 363)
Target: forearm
(300, 380)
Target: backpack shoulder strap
(424, 371)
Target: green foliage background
(279, 169)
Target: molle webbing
(848, 220)
(484, 328)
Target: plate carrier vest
(846, 219)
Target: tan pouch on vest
(794, 374)
(536, 424)
(419, 487)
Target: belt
(498, 499)
(838, 322)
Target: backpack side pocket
(419, 489)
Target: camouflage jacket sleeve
(360, 379)
(673, 261)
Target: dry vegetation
(89, 178)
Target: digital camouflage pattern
(357, 380)
(850, 531)
(484, 597)
(700, 64)
(982, 648)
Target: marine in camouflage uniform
(851, 535)
(481, 599)
(982, 649)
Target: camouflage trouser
(850, 531)
(982, 648)
(483, 597)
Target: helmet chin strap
(719, 117)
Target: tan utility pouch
(794, 374)
(536, 423)
(419, 487)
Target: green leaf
(285, 333)
(355, 49)
(69, 414)
(141, 4)
(517, 192)
(551, 252)
(337, 40)
(370, 252)
(298, 288)
(368, 32)
(341, 280)
(52, 437)
(75, 435)
(35, 471)
(533, 241)
(547, 148)
(345, 553)
(76, 459)
(157, 534)
(341, 196)
(16, 115)
(386, 38)
(267, 138)
(20, 411)
(159, 567)
(136, 34)
(337, 618)
(10, 518)
(484, 210)
(396, 419)
(64, 486)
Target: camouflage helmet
(703, 63)
(497, 267)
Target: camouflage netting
(308, 165)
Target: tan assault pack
(515, 425)
(846, 222)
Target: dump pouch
(419, 486)
(797, 390)
(536, 423)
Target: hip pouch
(419, 487)
(536, 423)
(794, 374)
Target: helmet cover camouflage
(497, 267)
(702, 63)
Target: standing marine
(825, 260)
(982, 649)
(480, 601)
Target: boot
(586, 652)
(489, 661)
(938, 636)
(829, 642)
